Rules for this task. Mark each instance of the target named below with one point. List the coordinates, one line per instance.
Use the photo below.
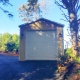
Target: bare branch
(56, 2)
(61, 6)
(64, 14)
(64, 20)
(8, 13)
(1, 8)
(9, 4)
(5, 11)
(60, 0)
(77, 8)
(78, 15)
(74, 2)
(6, 2)
(78, 21)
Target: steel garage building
(41, 40)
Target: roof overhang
(42, 19)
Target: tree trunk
(74, 32)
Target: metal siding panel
(41, 45)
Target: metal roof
(41, 20)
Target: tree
(6, 2)
(32, 10)
(72, 7)
(68, 52)
(6, 37)
(7, 40)
(10, 46)
(15, 39)
(29, 11)
(0, 41)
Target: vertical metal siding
(41, 45)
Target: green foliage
(15, 38)
(79, 72)
(10, 46)
(0, 40)
(69, 53)
(34, 9)
(77, 60)
(7, 40)
(3, 48)
(29, 12)
(6, 37)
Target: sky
(10, 25)
(7, 24)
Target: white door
(41, 45)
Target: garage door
(41, 45)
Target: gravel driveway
(12, 69)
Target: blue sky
(11, 25)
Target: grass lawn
(12, 69)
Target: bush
(10, 46)
(79, 72)
(77, 60)
(69, 53)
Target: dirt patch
(73, 72)
(10, 54)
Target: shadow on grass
(12, 69)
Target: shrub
(77, 59)
(69, 53)
(79, 72)
(10, 46)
